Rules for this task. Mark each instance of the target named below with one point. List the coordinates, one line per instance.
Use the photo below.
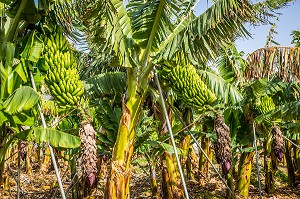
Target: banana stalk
(290, 165)
(203, 162)
(269, 165)
(154, 184)
(297, 156)
(244, 173)
(186, 146)
(120, 169)
(171, 183)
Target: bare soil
(37, 185)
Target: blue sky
(288, 20)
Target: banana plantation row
(88, 85)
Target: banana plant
(17, 100)
(228, 84)
(105, 92)
(141, 35)
(225, 80)
(19, 54)
(136, 35)
(285, 116)
(267, 61)
(252, 89)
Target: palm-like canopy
(147, 31)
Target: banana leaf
(54, 137)
(24, 98)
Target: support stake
(50, 147)
(171, 136)
(256, 155)
(202, 151)
(18, 174)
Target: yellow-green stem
(297, 156)
(184, 145)
(46, 161)
(244, 173)
(268, 166)
(154, 185)
(170, 178)
(230, 184)
(28, 159)
(203, 162)
(118, 183)
(191, 163)
(290, 165)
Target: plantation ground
(38, 186)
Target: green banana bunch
(56, 41)
(62, 75)
(264, 105)
(187, 84)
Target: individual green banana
(57, 88)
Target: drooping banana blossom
(223, 144)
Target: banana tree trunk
(171, 185)
(244, 173)
(37, 154)
(154, 185)
(290, 165)
(269, 166)
(7, 169)
(28, 159)
(297, 156)
(46, 161)
(74, 177)
(185, 144)
(203, 162)
(230, 184)
(192, 162)
(4, 143)
(102, 166)
(117, 186)
(7, 183)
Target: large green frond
(286, 112)
(109, 118)
(108, 29)
(154, 18)
(230, 64)
(200, 37)
(105, 85)
(224, 90)
(263, 87)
